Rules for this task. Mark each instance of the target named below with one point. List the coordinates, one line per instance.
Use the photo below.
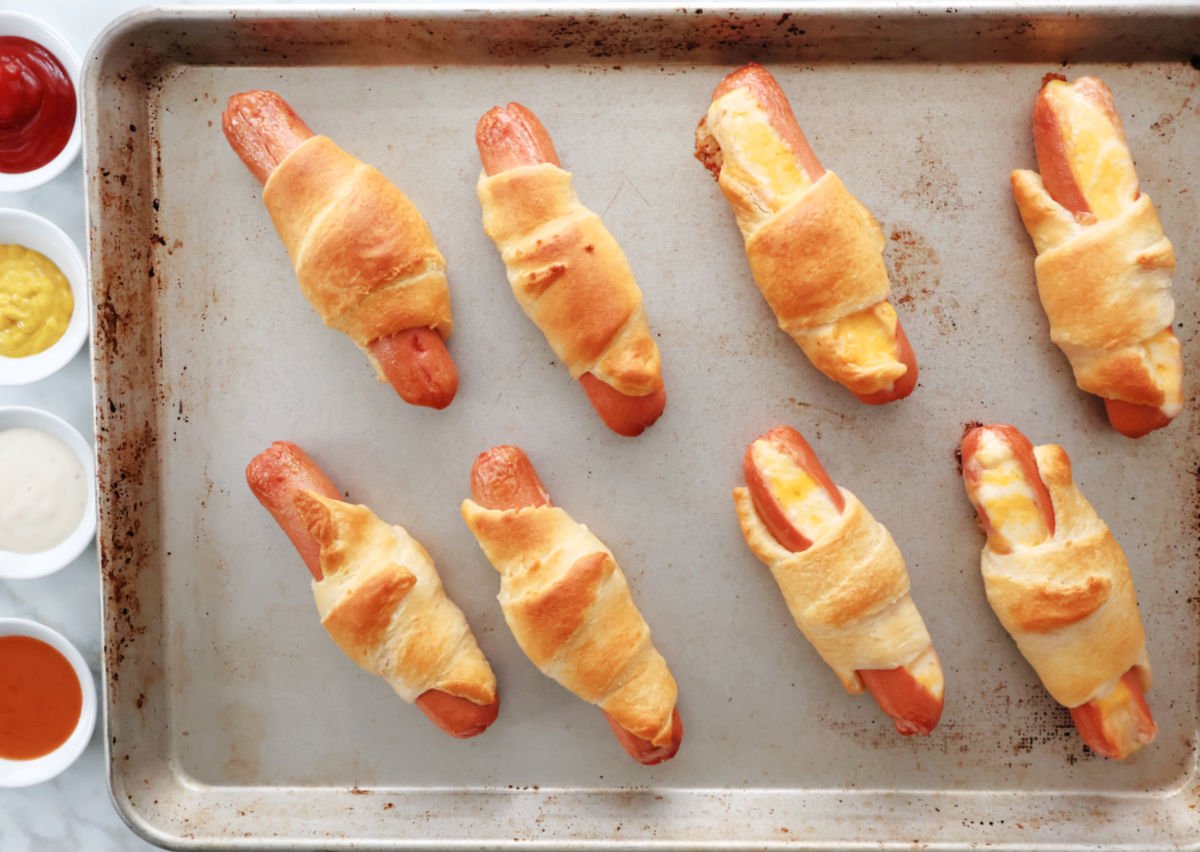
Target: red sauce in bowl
(37, 105)
(40, 698)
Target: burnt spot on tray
(1194, 535)
(936, 183)
(916, 269)
(125, 369)
(1164, 126)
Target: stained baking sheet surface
(232, 717)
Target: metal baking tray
(233, 721)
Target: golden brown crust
(382, 602)
(570, 277)
(364, 257)
(1105, 287)
(819, 259)
(554, 616)
(1048, 608)
(571, 611)
(360, 622)
(848, 593)
(1069, 603)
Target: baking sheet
(233, 720)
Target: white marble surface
(72, 812)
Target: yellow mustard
(35, 302)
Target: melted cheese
(1005, 495)
(1124, 723)
(1111, 696)
(1162, 351)
(753, 155)
(804, 501)
(926, 670)
(1096, 150)
(868, 338)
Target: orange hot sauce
(40, 698)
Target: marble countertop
(72, 812)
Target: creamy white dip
(42, 491)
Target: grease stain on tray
(936, 183)
(1165, 125)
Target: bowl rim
(24, 773)
(27, 566)
(54, 41)
(69, 260)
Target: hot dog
(1004, 483)
(799, 504)
(275, 476)
(1086, 166)
(766, 167)
(504, 478)
(263, 130)
(509, 138)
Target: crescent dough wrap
(569, 608)
(570, 277)
(1105, 288)
(848, 592)
(815, 251)
(1069, 602)
(365, 258)
(382, 602)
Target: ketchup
(37, 105)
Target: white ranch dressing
(43, 493)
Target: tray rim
(129, 23)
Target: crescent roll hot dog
(566, 270)
(569, 607)
(364, 256)
(1104, 265)
(379, 594)
(843, 578)
(815, 252)
(1061, 586)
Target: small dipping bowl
(21, 228)
(19, 566)
(23, 773)
(27, 26)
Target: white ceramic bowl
(23, 228)
(22, 773)
(28, 565)
(26, 26)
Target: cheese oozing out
(1005, 495)
(754, 156)
(926, 670)
(804, 501)
(1124, 720)
(868, 337)
(1163, 354)
(1096, 150)
(765, 171)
